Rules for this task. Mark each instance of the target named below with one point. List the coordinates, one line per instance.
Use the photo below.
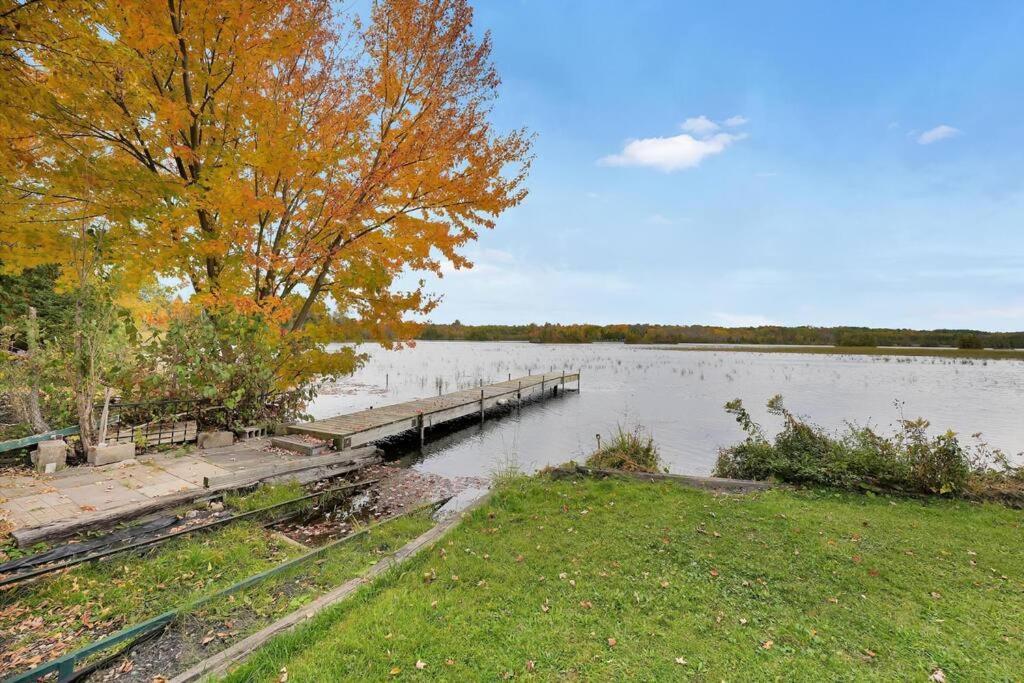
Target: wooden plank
(297, 465)
(27, 441)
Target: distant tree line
(706, 334)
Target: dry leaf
(767, 645)
(938, 676)
(420, 664)
(612, 642)
(283, 675)
(680, 660)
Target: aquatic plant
(629, 451)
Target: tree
(271, 155)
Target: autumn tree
(273, 156)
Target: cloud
(742, 320)
(734, 121)
(672, 153)
(659, 219)
(937, 133)
(700, 125)
(676, 152)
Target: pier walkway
(366, 426)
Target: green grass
(91, 600)
(936, 352)
(778, 585)
(265, 496)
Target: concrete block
(50, 456)
(215, 439)
(110, 453)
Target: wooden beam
(223, 660)
(298, 465)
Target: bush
(629, 452)
(229, 359)
(908, 461)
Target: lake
(677, 396)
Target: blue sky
(765, 162)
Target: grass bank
(965, 354)
(613, 580)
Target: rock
(215, 439)
(191, 514)
(216, 506)
(50, 456)
(110, 453)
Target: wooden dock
(366, 426)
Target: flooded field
(677, 396)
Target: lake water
(677, 396)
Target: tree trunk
(35, 413)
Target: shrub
(910, 460)
(627, 451)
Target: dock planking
(366, 426)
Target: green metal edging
(65, 665)
(27, 441)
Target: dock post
(519, 395)
(422, 431)
(481, 406)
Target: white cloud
(700, 125)
(937, 133)
(734, 121)
(672, 153)
(742, 320)
(676, 152)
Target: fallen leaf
(420, 664)
(530, 665)
(680, 660)
(283, 675)
(612, 642)
(938, 676)
(586, 604)
(767, 645)
(395, 671)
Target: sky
(744, 163)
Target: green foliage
(35, 287)
(847, 337)
(969, 341)
(627, 451)
(780, 585)
(910, 460)
(228, 358)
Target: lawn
(613, 580)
